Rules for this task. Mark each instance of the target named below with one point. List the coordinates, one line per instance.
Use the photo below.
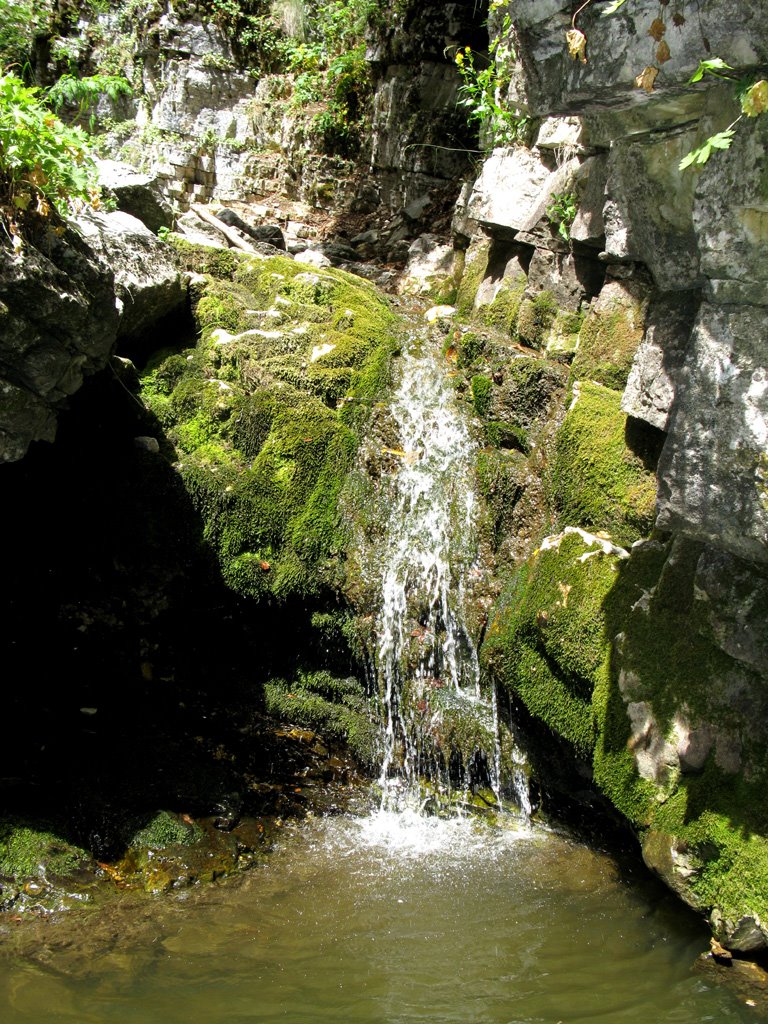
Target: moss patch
(608, 341)
(598, 482)
(535, 318)
(335, 707)
(265, 415)
(27, 850)
(503, 312)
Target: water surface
(386, 919)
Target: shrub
(44, 164)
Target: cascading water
(437, 722)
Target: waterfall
(437, 723)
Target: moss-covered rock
(615, 657)
(29, 851)
(265, 414)
(599, 483)
(503, 312)
(546, 641)
(611, 333)
(535, 317)
(475, 264)
(335, 707)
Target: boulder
(148, 284)
(138, 194)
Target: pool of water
(386, 918)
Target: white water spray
(427, 664)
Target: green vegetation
(165, 829)
(44, 164)
(535, 317)
(608, 340)
(265, 415)
(485, 88)
(82, 94)
(561, 213)
(26, 851)
(598, 482)
(482, 389)
(335, 707)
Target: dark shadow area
(133, 676)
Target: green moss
(507, 435)
(546, 641)
(473, 272)
(598, 481)
(470, 348)
(26, 850)
(482, 389)
(202, 259)
(535, 318)
(262, 455)
(500, 480)
(564, 333)
(607, 345)
(165, 829)
(336, 708)
(503, 312)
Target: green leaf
(700, 155)
(612, 7)
(710, 67)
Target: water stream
(427, 662)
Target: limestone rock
(147, 282)
(732, 595)
(648, 209)
(58, 322)
(657, 367)
(137, 194)
(552, 82)
(509, 188)
(730, 215)
(430, 264)
(713, 473)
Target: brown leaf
(264, 566)
(577, 45)
(452, 354)
(646, 78)
(663, 52)
(657, 29)
(678, 19)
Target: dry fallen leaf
(646, 78)
(577, 45)
(657, 29)
(755, 99)
(663, 53)
(678, 20)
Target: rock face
(666, 272)
(63, 304)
